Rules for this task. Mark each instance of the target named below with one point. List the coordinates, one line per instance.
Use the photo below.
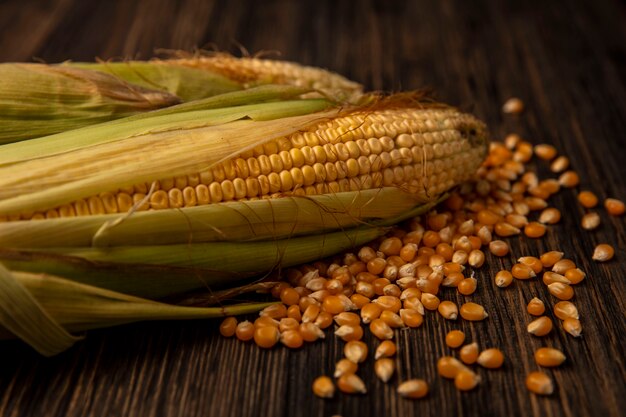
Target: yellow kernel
(323, 387)
(552, 277)
(565, 310)
(467, 286)
(355, 350)
(476, 258)
(575, 276)
(603, 252)
(505, 229)
(265, 321)
(560, 164)
(569, 179)
(333, 305)
(311, 313)
(561, 291)
(388, 302)
(455, 338)
(534, 229)
(573, 326)
(289, 297)
(228, 327)
(614, 207)
(292, 339)
(513, 106)
(386, 349)
(540, 327)
(449, 367)
(370, 312)
(411, 318)
(275, 311)
(548, 259)
(469, 353)
(381, 330)
(294, 312)
(550, 215)
(466, 380)
(413, 388)
(266, 337)
(587, 199)
(430, 301)
(549, 357)
(539, 383)
(534, 263)
(359, 300)
(348, 333)
(323, 320)
(347, 318)
(392, 319)
(563, 265)
(244, 331)
(503, 279)
(384, 368)
(522, 271)
(448, 310)
(473, 312)
(590, 221)
(545, 151)
(287, 323)
(351, 384)
(390, 246)
(344, 367)
(491, 358)
(536, 307)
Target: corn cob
(225, 193)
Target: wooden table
(566, 60)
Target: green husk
(38, 100)
(43, 309)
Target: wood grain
(566, 60)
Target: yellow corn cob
(422, 151)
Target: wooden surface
(566, 60)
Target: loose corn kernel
(347, 318)
(614, 207)
(381, 330)
(535, 203)
(549, 357)
(448, 310)
(476, 258)
(294, 312)
(265, 321)
(455, 338)
(460, 257)
(499, 248)
(573, 326)
(323, 320)
(332, 304)
(287, 323)
(391, 246)
(534, 230)
(348, 332)
(552, 277)
(356, 351)
(386, 349)
(534, 263)
(430, 301)
(473, 312)
(511, 140)
(575, 276)
(311, 313)
(411, 318)
(359, 300)
(569, 179)
(603, 252)
(590, 221)
(566, 310)
(505, 229)
(560, 164)
(388, 302)
(311, 332)
(376, 266)
(244, 331)
(266, 337)
(228, 327)
(522, 271)
(410, 292)
(453, 279)
(466, 380)
(351, 384)
(491, 358)
(292, 339)
(289, 297)
(516, 220)
(392, 319)
(449, 367)
(539, 383)
(548, 259)
(550, 215)
(503, 279)
(467, 286)
(561, 291)
(536, 307)
(484, 234)
(540, 327)
(413, 388)
(513, 106)
(345, 367)
(563, 265)
(587, 199)
(370, 312)
(275, 311)
(323, 387)
(408, 252)
(469, 353)
(545, 151)
(384, 368)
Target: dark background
(566, 60)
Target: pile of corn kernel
(391, 283)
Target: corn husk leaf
(38, 100)
(42, 309)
